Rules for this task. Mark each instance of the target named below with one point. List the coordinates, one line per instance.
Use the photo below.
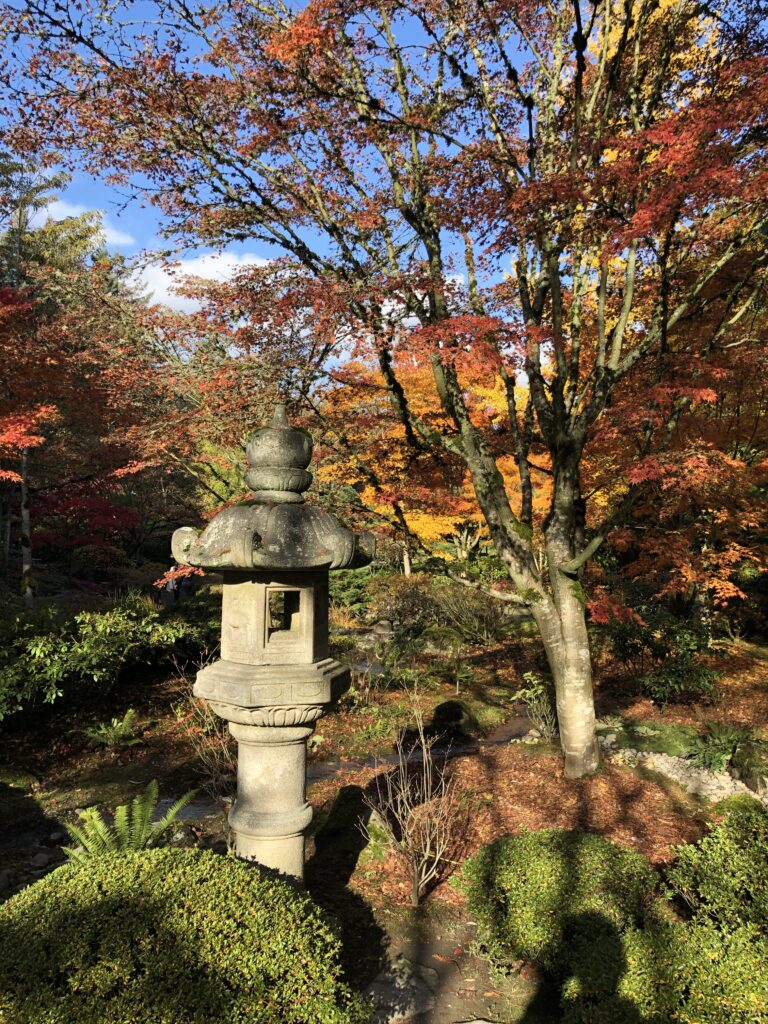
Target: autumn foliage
(518, 274)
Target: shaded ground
(506, 789)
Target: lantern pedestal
(271, 710)
(271, 813)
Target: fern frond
(122, 828)
(142, 806)
(93, 835)
(131, 829)
(98, 833)
(169, 818)
(79, 852)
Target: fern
(132, 827)
(119, 732)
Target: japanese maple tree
(65, 308)
(560, 191)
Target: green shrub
(612, 977)
(663, 651)
(667, 973)
(169, 937)
(716, 750)
(474, 617)
(680, 676)
(44, 655)
(406, 600)
(523, 890)
(724, 877)
(351, 589)
(653, 635)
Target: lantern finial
(278, 456)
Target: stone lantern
(274, 679)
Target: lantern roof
(274, 528)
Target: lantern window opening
(284, 613)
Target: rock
(714, 786)
(758, 784)
(451, 721)
(610, 739)
(402, 990)
(58, 837)
(622, 756)
(194, 811)
(40, 860)
(532, 736)
(7, 881)
(383, 626)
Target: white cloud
(161, 282)
(59, 209)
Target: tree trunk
(407, 568)
(701, 613)
(563, 627)
(415, 887)
(27, 586)
(562, 619)
(5, 532)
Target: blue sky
(133, 229)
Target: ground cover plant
(230, 944)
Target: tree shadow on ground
(24, 828)
(22, 820)
(338, 844)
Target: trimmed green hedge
(525, 889)
(585, 910)
(169, 937)
(667, 973)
